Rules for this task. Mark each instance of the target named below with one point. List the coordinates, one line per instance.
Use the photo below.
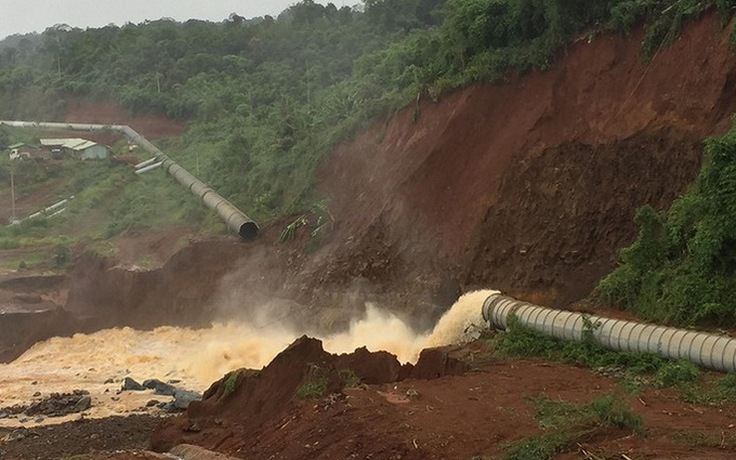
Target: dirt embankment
(479, 406)
(105, 294)
(530, 187)
(108, 113)
(244, 401)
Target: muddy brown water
(194, 358)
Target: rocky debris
(55, 405)
(84, 403)
(159, 387)
(6, 412)
(131, 385)
(437, 362)
(181, 401)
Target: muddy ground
(477, 414)
(529, 187)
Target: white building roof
(71, 143)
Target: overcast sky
(23, 16)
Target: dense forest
(265, 99)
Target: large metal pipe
(145, 163)
(707, 350)
(234, 218)
(145, 169)
(58, 205)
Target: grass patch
(315, 384)
(315, 388)
(231, 382)
(348, 379)
(566, 424)
(27, 261)
(713, 390)
(521, 341)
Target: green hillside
(267, 98)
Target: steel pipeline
(235, 219)
(707, 350)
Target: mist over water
(198, 357)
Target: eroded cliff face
(531, 186)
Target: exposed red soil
(108, 113)
(78, 438)
(531, 186)
(475, 413)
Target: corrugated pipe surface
(707, 350)
(235, 219)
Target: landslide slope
(530, 186)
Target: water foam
(198, 357)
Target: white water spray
(198, 357)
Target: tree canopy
(267, 98)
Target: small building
(18, 151)
(82, 149)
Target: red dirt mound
(248, 399)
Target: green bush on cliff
(682, 267)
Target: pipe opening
(248, 230)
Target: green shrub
(315, 383)
(348, 378)
(677, 373)
(314, 388)
(231, 382)
(566, 425)
(62, 255)
(682, 267)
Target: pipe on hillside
(234, 218)
(706, 350)
(145, 169)
(58, 205)
(145, 163)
